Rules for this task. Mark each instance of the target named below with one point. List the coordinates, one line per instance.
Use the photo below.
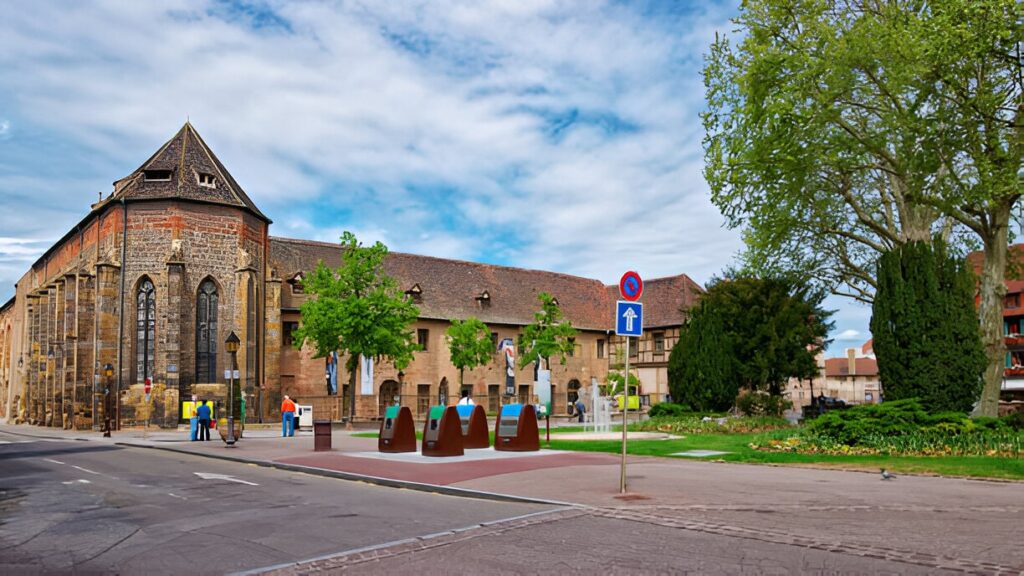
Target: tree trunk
(353, 365)
(990, 308)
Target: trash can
(321, 435)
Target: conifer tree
(701, 373)
(925, 328)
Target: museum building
(128, 314)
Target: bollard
(321, 435)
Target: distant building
(853, 378)
(153, 279)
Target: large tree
(358, 309)
(775, 327)
(470, 344)
(925, 328)
(701, 367)
(837, 130)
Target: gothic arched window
(206, 332)
(145, 330)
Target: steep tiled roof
(451, 289)
(841, 367)
(185, 156)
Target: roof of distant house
(841, 367)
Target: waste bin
(321, 435)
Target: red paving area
(443, 473)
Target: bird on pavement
(887, 476)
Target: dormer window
(555, 301)
(484, 298)
(296, 283)
(156, 175)
(415, 293)
(206, 180)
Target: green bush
(668, 409)
(759, 403)
(1014, 421)
(895, 418)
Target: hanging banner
(332, 374)
(510, 366)
(365, 375)
(543, 391)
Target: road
(88, 507)
(93, 507)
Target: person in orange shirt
(287, 417)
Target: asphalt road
(90, 508)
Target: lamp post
(231, 345)
(108, 372)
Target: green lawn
(739, 450)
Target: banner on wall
(332, 373)
(365, 375)
(543, 391)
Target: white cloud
(5, 129)
(544, 134)
(848, 335)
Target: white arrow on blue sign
(629, 318)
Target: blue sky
(555, 135)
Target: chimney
(851, 359)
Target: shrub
(1014, 421)
(759, 403)
(668, 409)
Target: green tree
(470, 344)
(925, 328)
(775, 328)
(549, 335)
(837, 131)
(357, 309)
(701, 370)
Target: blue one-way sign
(629, 318)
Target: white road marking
(79, 481)
(54, 461)
(85, 470)
(211, 476)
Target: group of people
(202, 417)
(200, 421)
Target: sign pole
(625, 413)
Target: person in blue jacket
(203, 414)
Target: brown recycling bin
(321, 435)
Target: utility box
(473, 421)
(516, 429)
(397, 431)
(442, 432)
(305, 416)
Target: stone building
(150, 283)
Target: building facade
(127, 314)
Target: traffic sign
(631, 286)
(629, 318)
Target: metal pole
(231, 402)
(625, 414)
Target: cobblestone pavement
(609, 541)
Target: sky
(542, 134)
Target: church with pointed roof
(127, 316)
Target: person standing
(581, 408)
(203, 415)
(466, 400)
(287, 417)
(193, 420)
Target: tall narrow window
(250, 337)
(145, 335)
(206, 333)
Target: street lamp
(108, 371)
(231, 345)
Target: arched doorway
(572, 393)
(442, 392)
(390, 395)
